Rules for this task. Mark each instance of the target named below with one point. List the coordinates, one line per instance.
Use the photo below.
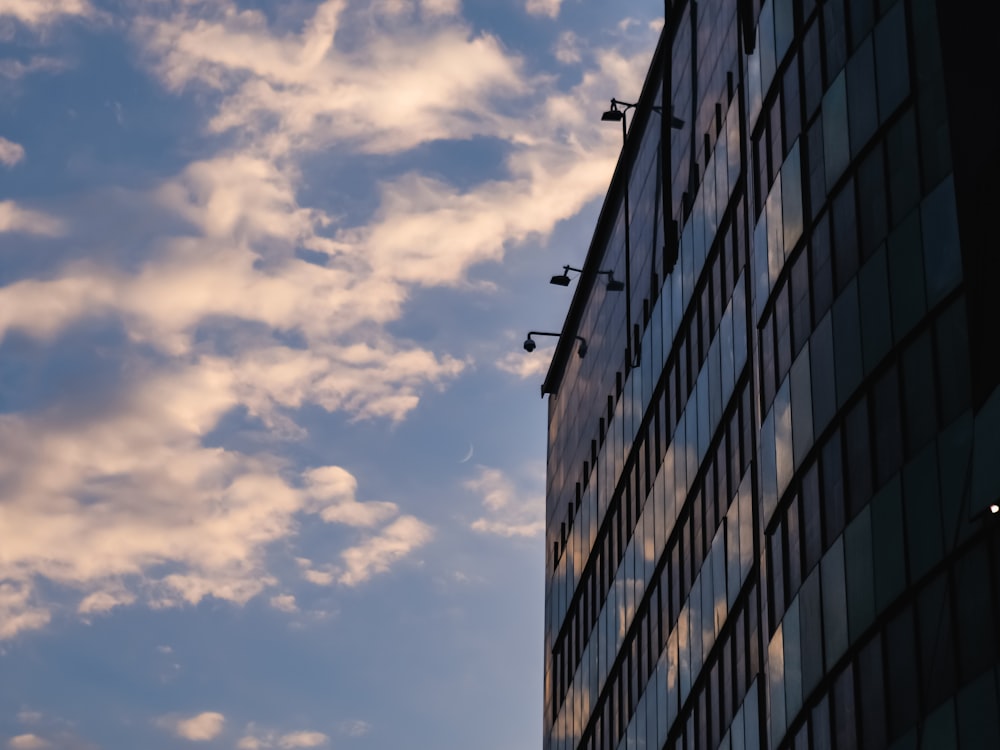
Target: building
(770, 477)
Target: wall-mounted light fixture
(616, 113)
(529, 343)
(563, 279)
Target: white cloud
(261, 739)
(105, 600)
(319, 577)
(14, 70)
(355, 728)
(42, 12)
(10, 153)
(548, 8)
(205, 726)
(18, 611)
(509, 511)
(526, 365)
(116, 496)
(284, 603)
(302, 739)
(106, 499)
(333, 485)
(440, 7)
(567, 49)
(398, 88)
(376, 553)
(16, 218)
(28, 742)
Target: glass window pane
(812, 68)
(904, 177)
(860, 583)
(793, 660)
(835, 32)
(834, 590)
(901, 660)
(942, 254)
(939, 728)
(836, 146)
(822, 736)
(832, 475)
(776, 686)
(873, 213)
(845, 235)
(953, 362)
(872, 694)
(858, 457)
(918, 394)
(822, 268)
(873, 291)
(847, 342)
(824, 370)
(888, 431)
(812, 527)
(977, 635)
(977, 714)
(783, 437)
(802, 406)
(862, 19)
(811, 615)
(768, 469)
(936, 638)
(817, 169)
(791, 199)
(845, 722)
(890, 560)
(861, 96)
(892, 61)
(923, 513)
(906, 274)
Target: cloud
(259, 739)
(355, 728)
(302, 739)
(205, 726)
(391, 91)
(125, 492)
(525, 365)
(43, 12)
(124, 501)
(28, 742)
(567, 49)
(16, 218)
(548, 8)
(440, 7)
(14, 70)
(10, 153)
(284, 603)
(105, 600)
(376, 553)
(18, 611)
(509, 511)
(333, 485)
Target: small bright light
(995, 508)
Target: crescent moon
(467, 455)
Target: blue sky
(271, 455)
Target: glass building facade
(769, 479)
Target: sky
(271, 454)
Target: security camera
(529, 345)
